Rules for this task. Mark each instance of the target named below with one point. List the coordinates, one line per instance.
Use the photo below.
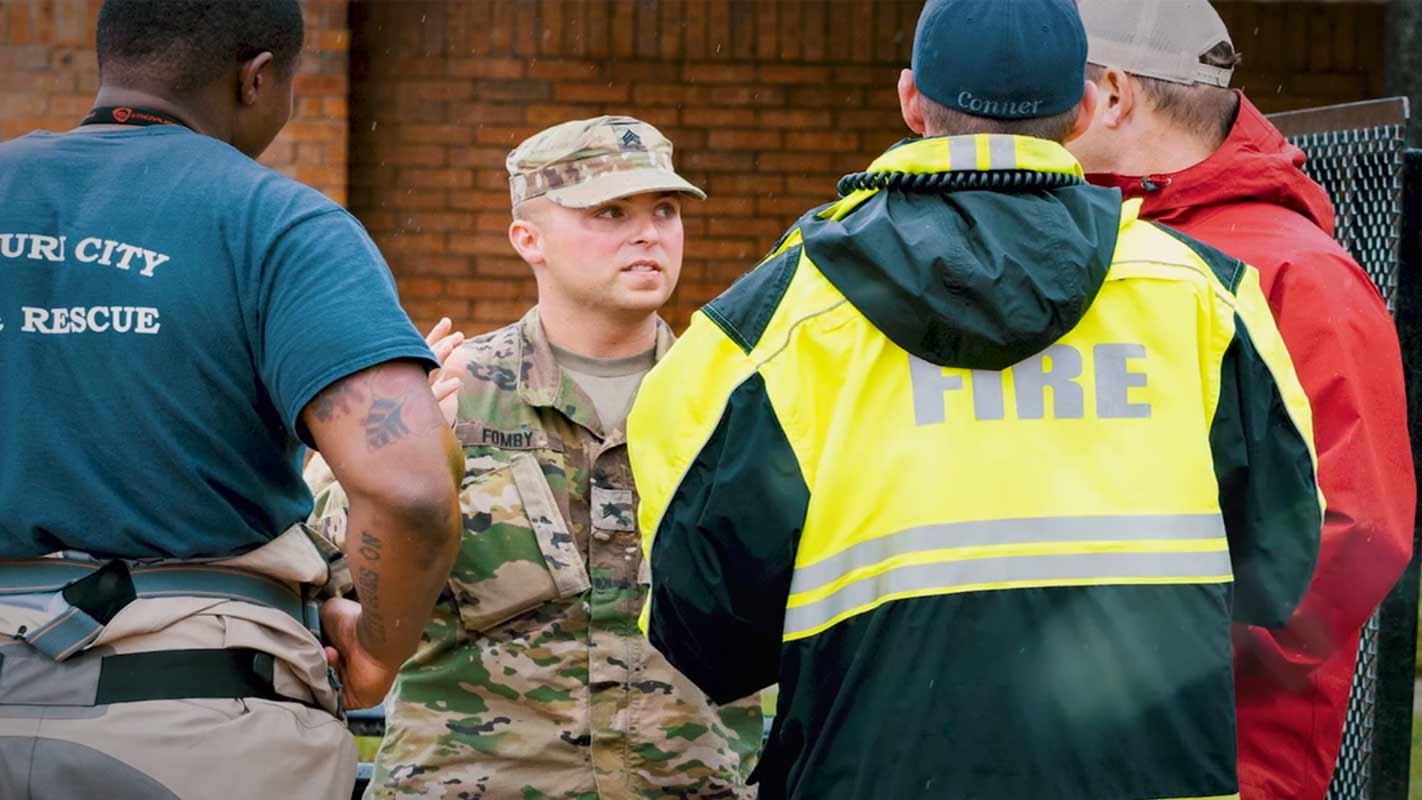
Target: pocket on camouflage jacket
(517, 551)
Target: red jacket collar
(1255, 164)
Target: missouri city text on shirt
(20, 247)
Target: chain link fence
(1356, 152)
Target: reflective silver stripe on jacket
(959, 574)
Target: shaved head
(183, 45)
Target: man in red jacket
(1205, 161)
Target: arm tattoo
(338, 399)
(367, 583)
(383, 424)
(370, 546)
(391, 408)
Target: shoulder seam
(785, 345)
(763, 298)
(1228, 269)
(726, 327)
(314, 216)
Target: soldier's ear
(527, 240)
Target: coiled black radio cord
(1003, 180)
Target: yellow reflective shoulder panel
(811, 306)
(668, 425)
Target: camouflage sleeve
(327, 524)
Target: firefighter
(977, 464)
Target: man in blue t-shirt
(176, 322)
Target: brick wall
(48, 77)
(768, 103)
(764, 109)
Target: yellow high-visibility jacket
(981, 479)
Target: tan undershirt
(611, 383)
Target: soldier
(533, 680)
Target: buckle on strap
(88, 594)
(88, 604)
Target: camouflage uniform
(532, 680)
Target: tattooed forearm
(338, 399)
(372, 622)
(397, 460)
(370, 546)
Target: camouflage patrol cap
(585, 162)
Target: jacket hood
(1254, 165)
(979, 279)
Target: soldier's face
(621, 256)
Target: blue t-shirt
(167, 308)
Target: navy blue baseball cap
(1004, 59)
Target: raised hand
(445, 381)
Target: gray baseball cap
(1162, 39)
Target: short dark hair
(181, 45)
(1207, 111)
(941, 120)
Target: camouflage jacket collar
(541, 383)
